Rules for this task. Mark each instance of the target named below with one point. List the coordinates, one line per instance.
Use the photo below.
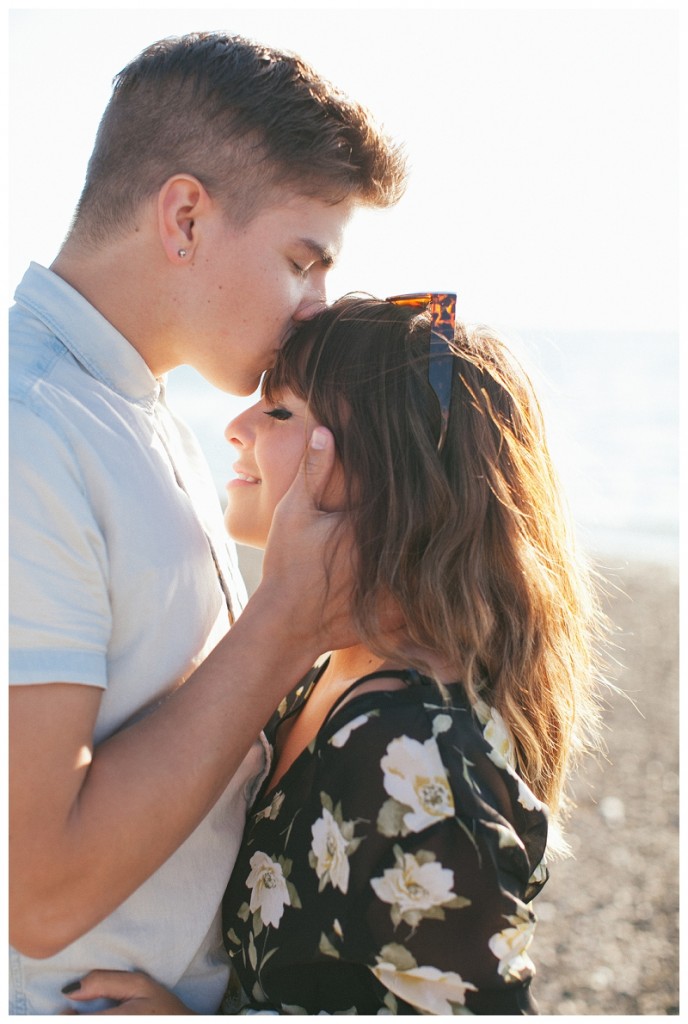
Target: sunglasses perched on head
(442, 308)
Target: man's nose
(313, 300)
(308, 310)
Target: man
(216, 198)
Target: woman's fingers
(318, 462)
(134, 992)
(109, 985)
(307, 554)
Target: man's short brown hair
(245, 119)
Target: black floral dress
(392, 867)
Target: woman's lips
(242, 478)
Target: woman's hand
(307, 564)
(134, 992)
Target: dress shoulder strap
(407, 675)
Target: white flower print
(507, 835)
(274, 807)
(269, 893)
(527, 798)
(482, 711)
(415, 776)
(413, 887)
(441, 723)
(426, 988)
(498, 736)
(540, 874)
(329, 849)
(503, 753)
(510, 945)
(342, 735)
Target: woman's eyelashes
(279, 413)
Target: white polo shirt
(115, 534)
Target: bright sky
(543, 146)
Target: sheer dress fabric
(392, 867)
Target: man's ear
(181, 200)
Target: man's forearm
(147, 787)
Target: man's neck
(119, 281)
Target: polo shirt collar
(93, 341)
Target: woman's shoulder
(412, 730)
(431, 747)
(391, 701)
(402, 700)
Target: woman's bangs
(289, 371)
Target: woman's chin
(248, 538)
(257, 545)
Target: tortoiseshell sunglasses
(442, 306)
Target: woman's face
(269, 440)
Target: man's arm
(87, 826)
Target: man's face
(249, 284)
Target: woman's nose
(241, 430)
(231, 435)
(234, 434)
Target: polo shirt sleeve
(60, 617)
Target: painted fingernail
(318, 439)
(73, 986)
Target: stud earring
(182, 253)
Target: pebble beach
(607, 941)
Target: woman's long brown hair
(475, 544)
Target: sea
(611, 406)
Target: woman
(390, 859)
